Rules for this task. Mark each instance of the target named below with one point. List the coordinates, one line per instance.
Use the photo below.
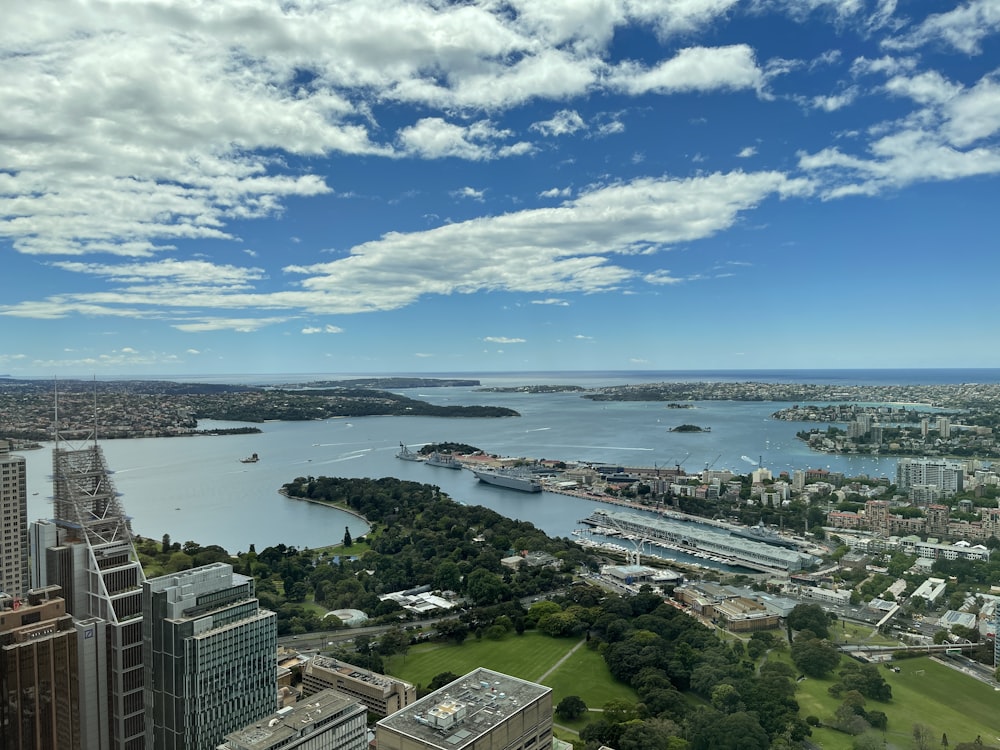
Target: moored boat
(509, 478)
(406, 454)
(443, 460)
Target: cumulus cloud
(470, 193)
(833, 102)
(693, 69)
(946, 138)
(963, 28)
(556, 193)
(747, 152)
(503, 340)
(564, 122)
(435, 138)
(551, 301)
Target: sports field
(528, 656)
(925, 692)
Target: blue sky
(371, 186)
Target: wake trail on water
(539, 429)
(605, 447)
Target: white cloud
(611, 128)
(833, 102)
(503, 340)
(434, 138)
(885, 65)
(556, 193)
(933, 143)
(322, 329)
(551, 301)
(747, 152)
(192, 351)
(581, 337)
(471, 193)
(963, 28)
(238, 325)
(693, 69)
(564, 122)
(661, 278)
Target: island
(689, 428)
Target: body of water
(196, 488)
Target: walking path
(559, 663)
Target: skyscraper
(13, 523)
(87, 549)
(210, 661)
(50, 682)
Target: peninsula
(156, 408)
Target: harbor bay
(197, 488)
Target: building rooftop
(460, 713)
(289, 723)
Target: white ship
(509, 478)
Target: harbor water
(197, 489)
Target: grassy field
(923, 692)
(527, 656)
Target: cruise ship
(444, 460)
(509, 478)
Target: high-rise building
(49, 677)
(482, 709)
(328, 720)
(209, 651)
(87, 549)
(14, 520)
(948, 476)
(944, 427)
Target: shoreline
(348, 511)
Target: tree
(814, 657)
(921, 737)
(809, 617)
(165, 545)
(571, 707)
(441, 679)
(348, 542)
(484, 587)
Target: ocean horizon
(856, 376)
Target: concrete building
(209, 654)
(380, 694)
(948, 476)
(14, 528)
(483, 709)
(326, 721)
(87, 550)
(41, 675)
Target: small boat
(251, 459)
